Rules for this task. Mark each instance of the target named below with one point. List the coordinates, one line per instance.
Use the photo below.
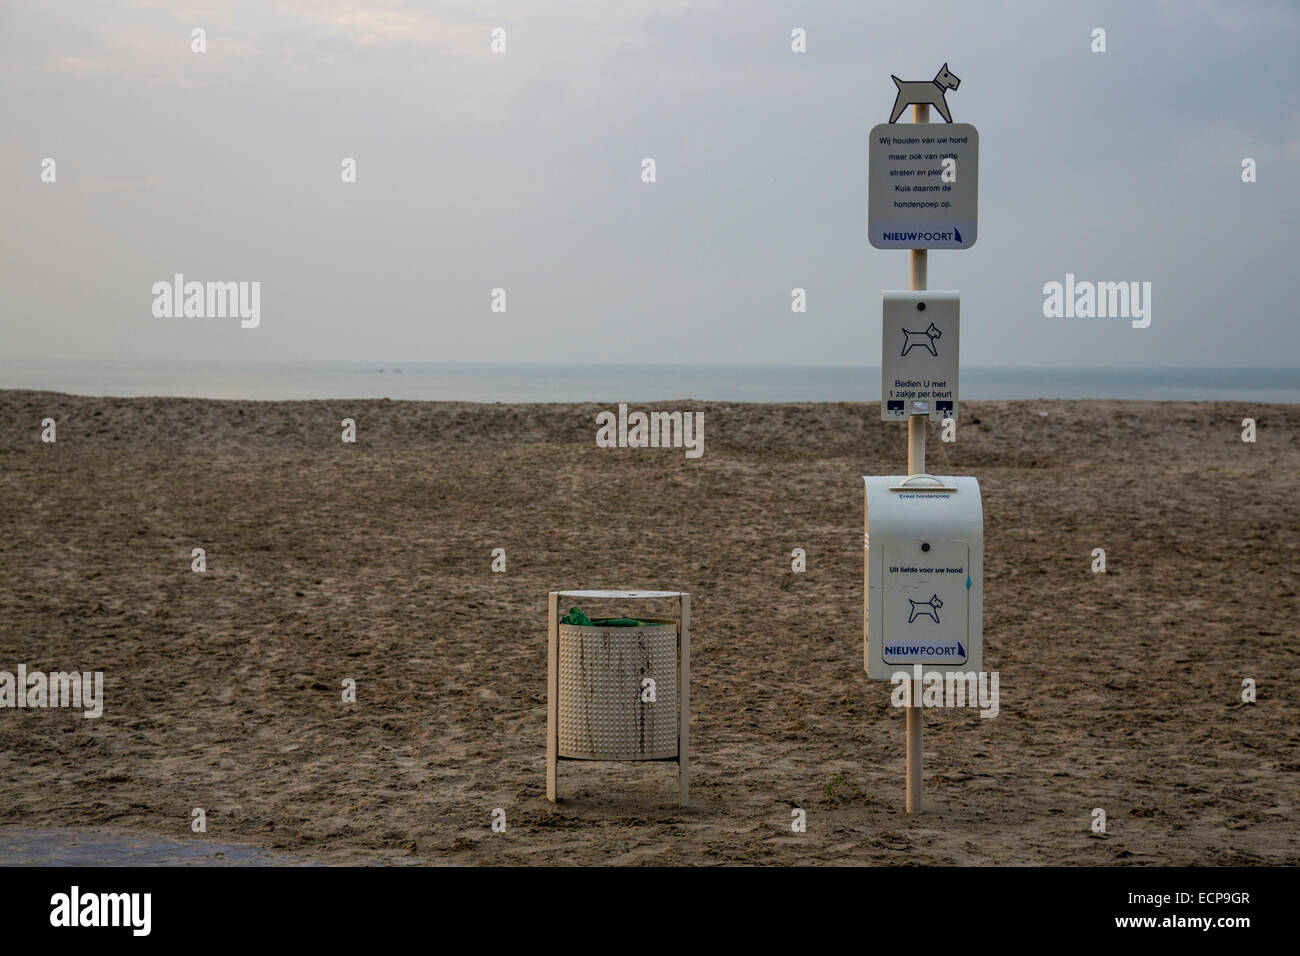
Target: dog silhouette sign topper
(929, 92)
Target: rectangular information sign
(916, 200)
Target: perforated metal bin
(604, 709)
(598, 704)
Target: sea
(468, 382)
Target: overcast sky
(522, 171)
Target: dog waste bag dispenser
(919, 352)
(924, 558)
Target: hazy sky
(522, 171)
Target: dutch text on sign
(923, 182)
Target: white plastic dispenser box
(924, 564)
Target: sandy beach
(371, 561)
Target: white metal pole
(916, 465)
(916, 442)
(915, 739)
(919, 267)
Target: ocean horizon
(525, 382)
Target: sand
(372, 561)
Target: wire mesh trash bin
(618, 693)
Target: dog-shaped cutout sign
(924, 91)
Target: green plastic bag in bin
(578, 618)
